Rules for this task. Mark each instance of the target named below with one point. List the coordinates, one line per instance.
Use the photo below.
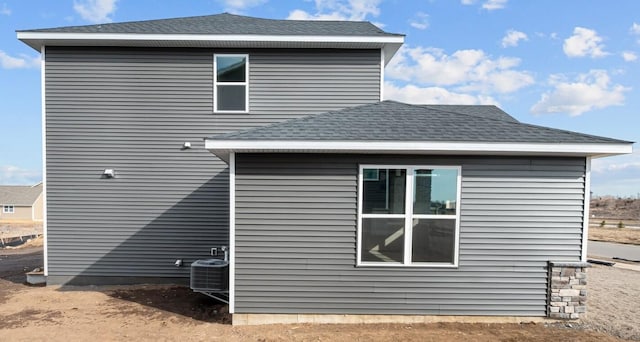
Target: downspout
(232, 232)
(44, 159)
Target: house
(335, 205)
(21, 202)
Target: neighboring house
(21, 202)
(333, 202)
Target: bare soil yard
(619, 235)
(615, 220)
(20, 226)
(168, 313)
(615, 209)
(15, 233)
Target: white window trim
(408, 216)
(8, 209)
(245, 83)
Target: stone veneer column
(567, 294)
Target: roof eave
(222, 148)
(36, 40)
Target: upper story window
(231, 83)
(8, 209)
(408, 215)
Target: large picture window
(408, 215)
(231, 85)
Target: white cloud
(491, 5)
(339, 10)
(95, 11)
(13, 175)
(635, 30)
(629, 56)
(22, 62)
(587, 92)
(421, 21)
(431, 95)
(303, 15)
(629, 162)
(618, 175)
(513, 38)
(5, 10)
(464, 70)
(584, 42)
(235, 6)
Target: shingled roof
(395, 121)
(22, 195)
(221, 31)
(483, 111)
(414, 128)
(226, 23)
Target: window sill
(230, 112)
(415, 265)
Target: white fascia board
(209, 37)
(595, 150)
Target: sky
(570, 64)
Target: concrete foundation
(260, 319)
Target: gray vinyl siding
(131, 110)
(296, 237)
(284, 84)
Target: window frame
(8, 209)
(216, 83)
(408, 216)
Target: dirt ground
(615, 220)
(615, 209)
(14, 233)
(619, 235)
(27, 227)
(168, 313)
